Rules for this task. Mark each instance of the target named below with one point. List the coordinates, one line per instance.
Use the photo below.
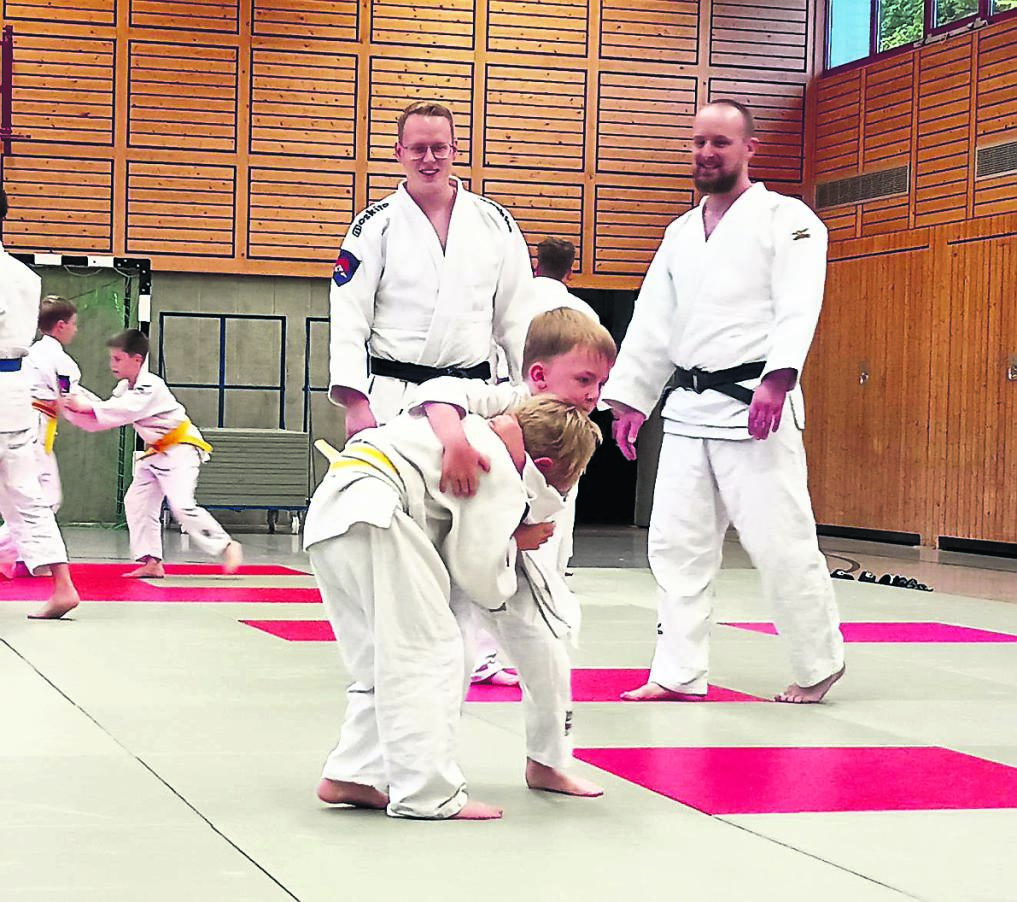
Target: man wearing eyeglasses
(427, 279)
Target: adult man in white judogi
(731, 300)
(426, 280)
(33, 525)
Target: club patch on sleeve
(346, 265)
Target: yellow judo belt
(49, 411)
(358, 456)
(179, 435)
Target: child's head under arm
(560, 435)
(568, 355)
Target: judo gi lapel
(451, 281)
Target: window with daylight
(946, 12)
(859, 29)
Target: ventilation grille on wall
(997, 160)
(859, 188)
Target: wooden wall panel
(658, 30)
(433, 23)
(185, 209)
(63, 91)
(943, 132)
(536, 26)
(779, 112)
(996, 115)
(77, 12)
(326, 20)
(183, 90)
(395, 83)
(186, 15)
(924, 298)
(59, 204)
(303, 103)
(747, 36)
(554, 209)
(536, 118)
(315, 204)
(595, 97)
(630, 222)
(643, 119)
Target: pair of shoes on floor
(887, 579)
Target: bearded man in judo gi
(728, 310)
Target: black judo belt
(418, 374)
(724, 381)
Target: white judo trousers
(386, 592)
(34, 535)
(48, 476)
(173, 475)
(541, 659)
(760, 487)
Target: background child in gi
(169, 469)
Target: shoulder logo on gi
(346, 264)
(798, 234)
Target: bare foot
(232, 557)
(654, 692)
(60, 602)
(503, 678)
(152, 568)
(340, 792)
(477, 811)
(44, 570)
(547, 779)
(809, 695)
(7, 569)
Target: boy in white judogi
(385, 544)
(567, 356)
(51, 372)
(33, 525)
(169, 469)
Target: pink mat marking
(112, 589)
(295, 630)
(108, 569)
(898, 631)
(793, 780)
(595, 684)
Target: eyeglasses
(438, 151)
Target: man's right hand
(625, 429)
(359, 416)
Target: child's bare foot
(232, 557)
(340, 792)
(151, 568)
(477, 811)
(7, 569)
(547, 779)
(654, 692)
(809, 695)
(62, 601)
(44, 570)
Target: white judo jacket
(474, 536)
(20, 291)
(752, 292)
(397, 295)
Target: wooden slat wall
(920, 296)
(240, 135)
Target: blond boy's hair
(558, 331)
(52, 310)
(561, 431)
(425, 108)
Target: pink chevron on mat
(295, 630)
(794, 780)
(112, 589)
(897, 631)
